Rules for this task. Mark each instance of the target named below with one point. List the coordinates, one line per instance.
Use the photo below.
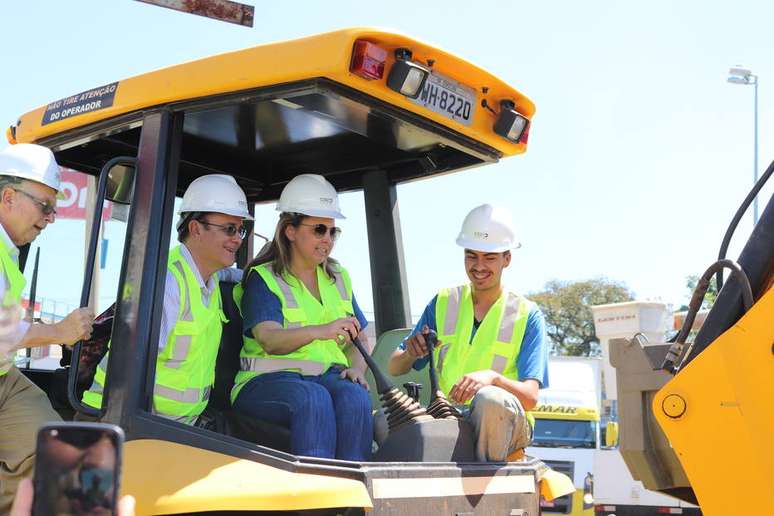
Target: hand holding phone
(77, 469)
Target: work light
(407, 77)
(510, 124)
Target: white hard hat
(488, 229)
(31, 162)
(218, 193)
(312, 195)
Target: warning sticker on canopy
(81, 103)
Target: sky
(639, 154)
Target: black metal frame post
(88, 277)
(246, 250)
(141, 283)
(385, 245)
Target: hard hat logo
(488, 229)
(311, 195)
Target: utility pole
(739, 75)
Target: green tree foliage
(566, 306)
(709, 299)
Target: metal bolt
(673, 406)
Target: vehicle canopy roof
(268, 113)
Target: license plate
(448, 97)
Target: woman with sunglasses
(298, 366)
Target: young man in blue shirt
(492, 351)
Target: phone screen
(77, 469)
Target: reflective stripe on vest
(299, 308)
(495, 345)
(288, 299)
(452, 311)
(185, 368)
(344, 294)
(15, 283)
(189, 395)
(181, 343)
(260, 365)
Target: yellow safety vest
(495, 345)
(185, 368)
(299, 308)
(12, 297)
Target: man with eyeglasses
(29, 183)
(210, 230)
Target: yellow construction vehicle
(369, 110)
(697, 417)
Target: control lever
(412, 389)
(439, 407)
(398, 406)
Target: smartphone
(77, 469)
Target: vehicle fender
(172, 478)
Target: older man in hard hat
(210, 230)
(492, 352)
(29, 183)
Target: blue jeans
(327, 416)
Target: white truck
(567, 429)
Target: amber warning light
(368, 60)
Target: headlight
(407, 77)
(510, 124)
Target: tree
(709, 298)
(566, 306)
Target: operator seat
(234, 423)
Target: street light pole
(755, 154)
(739, 75)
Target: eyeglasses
(321, 229)
(228, 229)
(45, 207)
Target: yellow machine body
(718, 414)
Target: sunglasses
(320, 230)
(45, 207)
(228, 229)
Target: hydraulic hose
(737, 217)
(675, 350)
